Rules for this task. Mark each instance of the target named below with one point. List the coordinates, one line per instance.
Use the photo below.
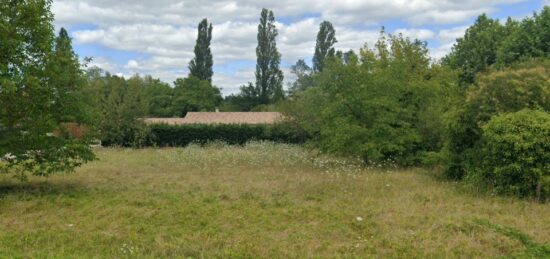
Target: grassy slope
(263, 200)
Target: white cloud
(447, 39)
(103, 63)
(230, 83)
(163, 32)
(132, 65)
(450, 35)
(441, 51)
(421, 34)
(109, 12)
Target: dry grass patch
(262, 200)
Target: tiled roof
(220, 118)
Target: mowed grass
(262, 200)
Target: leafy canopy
(377, 106)
(39, 77)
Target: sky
(128, 37)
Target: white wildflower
(9, 157)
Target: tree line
(197, 93)
(481, 114)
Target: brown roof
(220, 118)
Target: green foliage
(194, 95)
(304, 77)
(269, 77)
(385, 106)
(324, 47)
(34, 101)
(148, 97)
(514, 153)
(244, 101)
(201, 65)
(117, 104)
(60, 155)
(347, 57)
(65, 73)
(526, 85)
(526, 39)
(477, 50)
(177, 136)
(488, 43)
(159, 97)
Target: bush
(286, 132)
(516, 154)
(526, 85)
(235, 134)
(131, 133)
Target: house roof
(220, 118)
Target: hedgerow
(164, 135)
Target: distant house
(220, 118)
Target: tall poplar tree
(202, 63)
(324, 48)
(269, 77)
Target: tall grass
(261, 200)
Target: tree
(542, 21)
(383, 106)
(515, 44)
(303, 75)
(32, 136)
(245, 101)
(194, 95)
(526, 39)
(64, 72)
(324, 48)
(201, 65)
(477, 50)
(118, 105)
(347, 57)
(269, 77)
(159, 97)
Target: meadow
(262, 200)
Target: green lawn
(263, 200)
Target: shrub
(515, 150)
(526, 85)
(235, 134)
(130, 133)
(285, 132)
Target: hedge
(164, 135)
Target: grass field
(263, 200)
